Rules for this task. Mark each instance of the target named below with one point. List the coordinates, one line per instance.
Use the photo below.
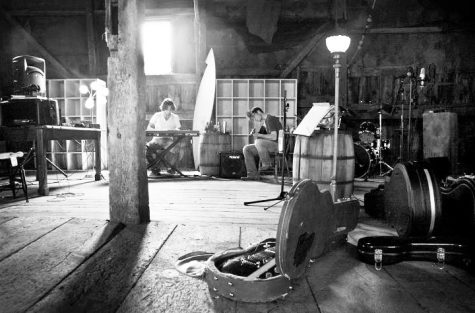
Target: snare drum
(364, 160)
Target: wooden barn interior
(375, 215)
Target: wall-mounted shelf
(234, 97)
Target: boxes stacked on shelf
(77, 154)
(234, 97)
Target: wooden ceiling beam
(91, 42)
(51, 12)
(295, 61)
(62, 70)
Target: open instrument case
(308, 223)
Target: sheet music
(312, 119)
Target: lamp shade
(338, 43)
(89, 104)
(83, 89)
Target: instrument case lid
(306, 221)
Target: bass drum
(364, 159)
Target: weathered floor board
(343, 284)
(4, 219)
(31, 272)
(17, 233)
(163, 289)
(425, 280)
(101, 283)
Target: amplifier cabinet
(231, 165)
(29, 111)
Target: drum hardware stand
(378, 142)
(283, 194)
(30, 157)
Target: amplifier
(231, 165)
(29, 111)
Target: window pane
(157, 45)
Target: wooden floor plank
(341, 283)
(163, 289)
(30, 273)
(4, 219)
(436, 290)
(103, 281)
(19, 232)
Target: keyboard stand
(161, 156)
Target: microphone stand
(283, 194)
(401, 139)
(409, 120)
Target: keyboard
(172, 133)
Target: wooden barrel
(412, 201)
(185, 154)
(313, 159)
(211, 145)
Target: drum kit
(370, 149)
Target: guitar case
(412, 201)
(458, 203)
(416, 206)
(264, 272)
(392, 249)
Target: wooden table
(42, 134)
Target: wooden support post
(128, 192)
(91, 42)
(200, 39)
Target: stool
(278, 161)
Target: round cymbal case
(303, 230)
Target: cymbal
(375, 113)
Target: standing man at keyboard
(163, 120)
(265, 141)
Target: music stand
(283, 194)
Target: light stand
(283, 194)
(336, 45)
(337, 67)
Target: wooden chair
(12, 171)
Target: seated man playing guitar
(265, 142)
